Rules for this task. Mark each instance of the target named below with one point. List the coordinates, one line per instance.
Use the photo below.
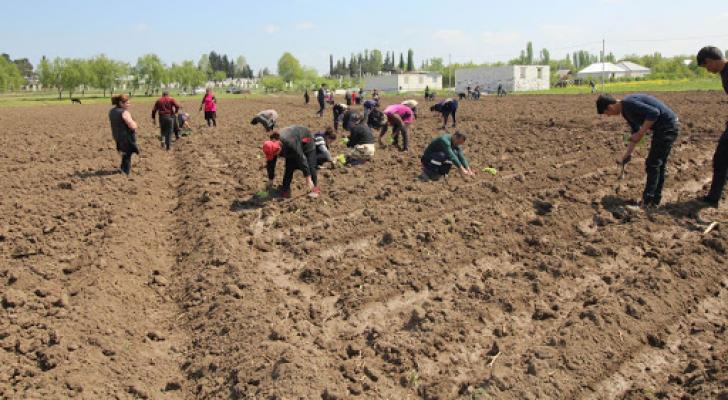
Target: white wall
(403, 82)
(418, 82)
(386, 83)
(514, 78)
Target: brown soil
(536, 283)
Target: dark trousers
(447, 113)
(656, 164)
(166, 127)
(270, 166)
(126, 163)
(338, 116)
(397, 127)
(292, 164)
(322, 105)
(720, 168)
(436, 165)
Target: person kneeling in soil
(271, 148)
(412, 104)
(360, 146)
(267, 118)
(441, 154)
(643, 113)
(323, 141)
(399, 116)
(297, 146)
(711, 58)
(123, 130)
(446, 107)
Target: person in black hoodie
(298, 148)
(123, 130)
(360, 146)
(321, 97)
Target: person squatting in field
(360, 144)
(643, 113)
(711, 58)
(296, 145)
(369, 105)
(267, 118)
(167, 107)
(447, 108)
(123, 130)
(400, 117)
(209, 103)
(412, 104)
(323, 141)
(441, 154)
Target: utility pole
(449, 70)
(603, 56)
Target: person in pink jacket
(209, 103)
(399, 116)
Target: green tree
(105, 73)
(401, 62)
(529, 53)
(410, 60)
(545, 57)
(10, 76)
(289, 68)
(272, 83)
(219, 76)
(150, 70)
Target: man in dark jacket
(711, 58)
(643, 113)
(298, 147)
(447, 108)
(360, 147)
(321, 97)
(441, 154)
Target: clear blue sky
(262, 30)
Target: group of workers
(307, 151)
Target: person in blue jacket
(644, 113)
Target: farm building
(623, 69)
(633, 70)
(404, 82)
(514, 78)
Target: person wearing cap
(267, 118)
(447, 108)
(323, 141)
(271, 148)
(167, 107)
(442, 153)
(412, 104)
(298, 148)
(360, 146)
(644, 113)
(711, 58)
(399, 116)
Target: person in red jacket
(209, 103)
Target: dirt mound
(537, 282)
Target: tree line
(370, 62)
(70, 75)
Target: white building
(623, 69)
(514, 78)
(404, 82)
(633, 70)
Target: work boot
(707, 200)
(286, 194)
